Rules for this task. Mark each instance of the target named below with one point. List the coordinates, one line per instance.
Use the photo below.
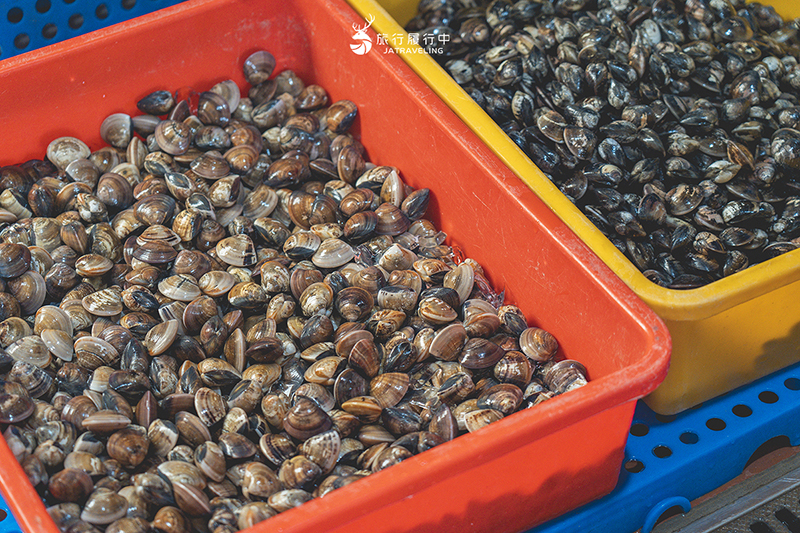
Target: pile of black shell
(674, 126)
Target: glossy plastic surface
(527, 468)
(672, 460)
(26, 25)
(702, 365)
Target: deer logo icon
(363, 42)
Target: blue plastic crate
(672, 460)
(26, 25)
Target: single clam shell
(31, 349)
(103, 507)
(15, 402)
(237, 250)
(92, 265)
(15, 259)
(183, 472)
(117, 130)
(258, 67)
(12, 329)
(210, 406)
(92, 352)
(128, 446)
(52, 317)
(538, 344)
(64, 150)
(181, 287)
(333, 253)
(211, 461)
(30, 291)
(323, 449)
(107, 302)
(161, 337)
(155, 252)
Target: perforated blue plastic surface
(26, 25)
(673, 460)
(8, 524)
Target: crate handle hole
(688, 437)
(634, 466)
(666, 508)
(741, 410)
(14, 15)
(716, 424)
(775, 443)
(639, 430)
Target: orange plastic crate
(523, 470)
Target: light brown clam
(107, 302)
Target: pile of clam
(674, 125)
(228, 311)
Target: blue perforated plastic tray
(26, 25)
(673, 460)
(8, 524)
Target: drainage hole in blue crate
(768, 396)
(3, 515)
(662, 452)
(43, 6)
(22, 40)
(792, 384)
(128, 4)
(75, 21)
(49, 31)
(14, 15)
(716, 424)
(639, 430)
(634, 466)
(101, 12)
(688, 437)
(741, 410)
(69, 1)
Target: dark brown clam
(129, 446)
(538, 344)
(258, 67)
(155, 252)
(306, 419)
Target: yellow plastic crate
(725, 334)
